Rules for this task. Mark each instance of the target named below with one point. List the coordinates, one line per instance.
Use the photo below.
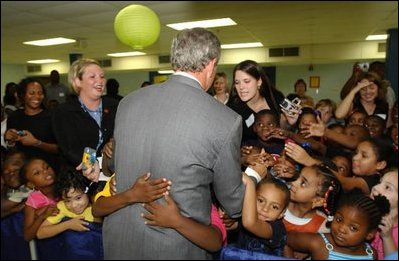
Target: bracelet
(252, 173)
(38, 143)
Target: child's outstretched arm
(168, 215)
(308, 242)
(48, 229)
(143, 190)
(249, 212)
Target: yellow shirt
(64, 212)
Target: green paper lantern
(137, 26)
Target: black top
(273, 246)
(75, 129)
(381, 108)
(248, 115)
(40, 126)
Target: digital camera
(21, 133)
(364, 66)
(289, 106)
(89, 158)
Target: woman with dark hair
(368, 96)
(11, 100)
(252, 91)
(300, 89)
(29, 129)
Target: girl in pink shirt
(41, 203)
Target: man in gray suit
(177, 131)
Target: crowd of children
(330, 191)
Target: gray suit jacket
(178, 131)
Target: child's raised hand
(146, 190)
(386, 226)
(78, 224)
(162, 215)
(315, 129)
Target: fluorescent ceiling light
(241, 45)
(126, 54)
(377, 37)
(166, 72)
(204, 24)
(52, 41)
(44, 61)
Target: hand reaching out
(315, 129)
(146, 190)
(298, 154)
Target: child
(375, 125)
(356, 118)
(14, 194)
(41, 203)
(386, 239)
(371, 157)
(355, 222)
(74, 217)
(263, 208)
(316, 187)
(344, 164)
(72, 188)
(327, 108)
(265, 122)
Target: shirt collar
(187, 75)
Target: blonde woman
(220, 88)
(88, 119)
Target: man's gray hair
(192, 49)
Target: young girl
(355, 222)
(344, 164)
(386, 239)
(74, 217)
(262, 229)
(41, 203)
(372, 156)
(72, 188)
(316, 187)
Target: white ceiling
(274, 23)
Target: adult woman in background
(255, 92)
(220, 88)
(88, 119)
(29, 130)
(368, 96)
